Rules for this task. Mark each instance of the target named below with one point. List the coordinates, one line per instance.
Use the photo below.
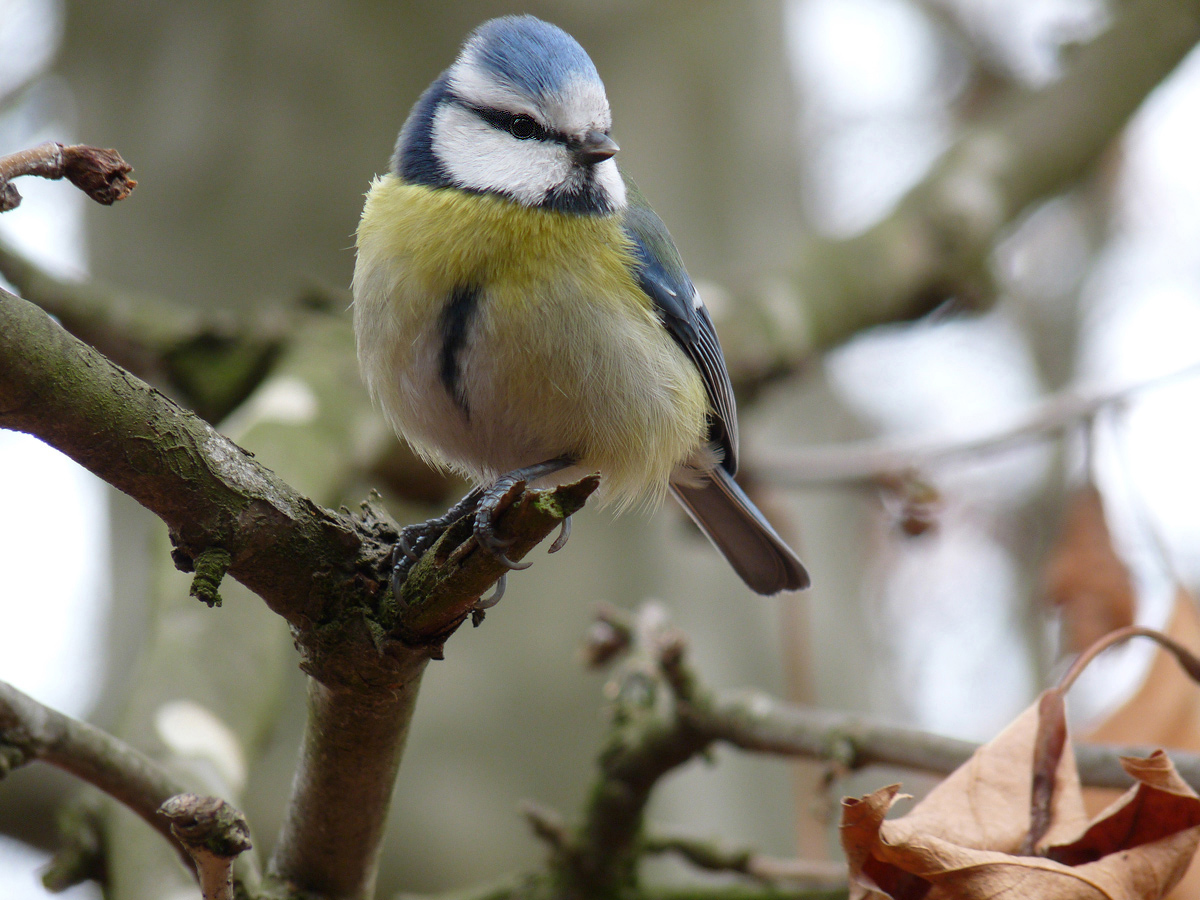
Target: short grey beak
(596, 146)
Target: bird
(522, 316)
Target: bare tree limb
(330, 840)
(91, 755)
(653, 735)
(214, 834)
(740, 892)
(211, 359)
(325, 572)
(869, 462)
(646, 741)
(757, 722)
(519, 888)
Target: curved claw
(494, 597)
(504, 560)
(405, 547)
(488, 538)
(508, 486)
(564, 534)
(496, 545)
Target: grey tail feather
(743, 535)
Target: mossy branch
(325, 572)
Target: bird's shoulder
(660, 273)
(659, 266)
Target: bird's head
(521, 113)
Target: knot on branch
(842, 754)
(101, 174)
(210, 568)
(609, 637)
(207, 824)
(548, 826)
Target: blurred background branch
(850, 465)
(934, 246)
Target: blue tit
(523, 315)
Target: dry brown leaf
(1085, 577)
(962, 840)
(1165, 709)
(1164, 712)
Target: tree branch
(646, 742)
(324, 572)
(214, 835)
(715, 857)
(101, 174)
(935, 244)
(91, 755)
(330, 840)
(754, 721)
(869, 462)
(212, 359)
(327, 573)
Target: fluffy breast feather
(564, 354)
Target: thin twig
(870, 462)
(101, 174)
(646, 742)
(214, 834)
(756, 722)
(713, 856)
(760, 723)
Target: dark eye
(523, 128)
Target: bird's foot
(418, 537)
(493, 502)
(497, 498)
(486, 504)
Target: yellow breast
(564, 354)
(455, 238)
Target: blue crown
(532, 56)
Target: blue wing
(660, 273)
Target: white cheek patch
(482, 158)
(610, 182)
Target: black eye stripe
(519, 125)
